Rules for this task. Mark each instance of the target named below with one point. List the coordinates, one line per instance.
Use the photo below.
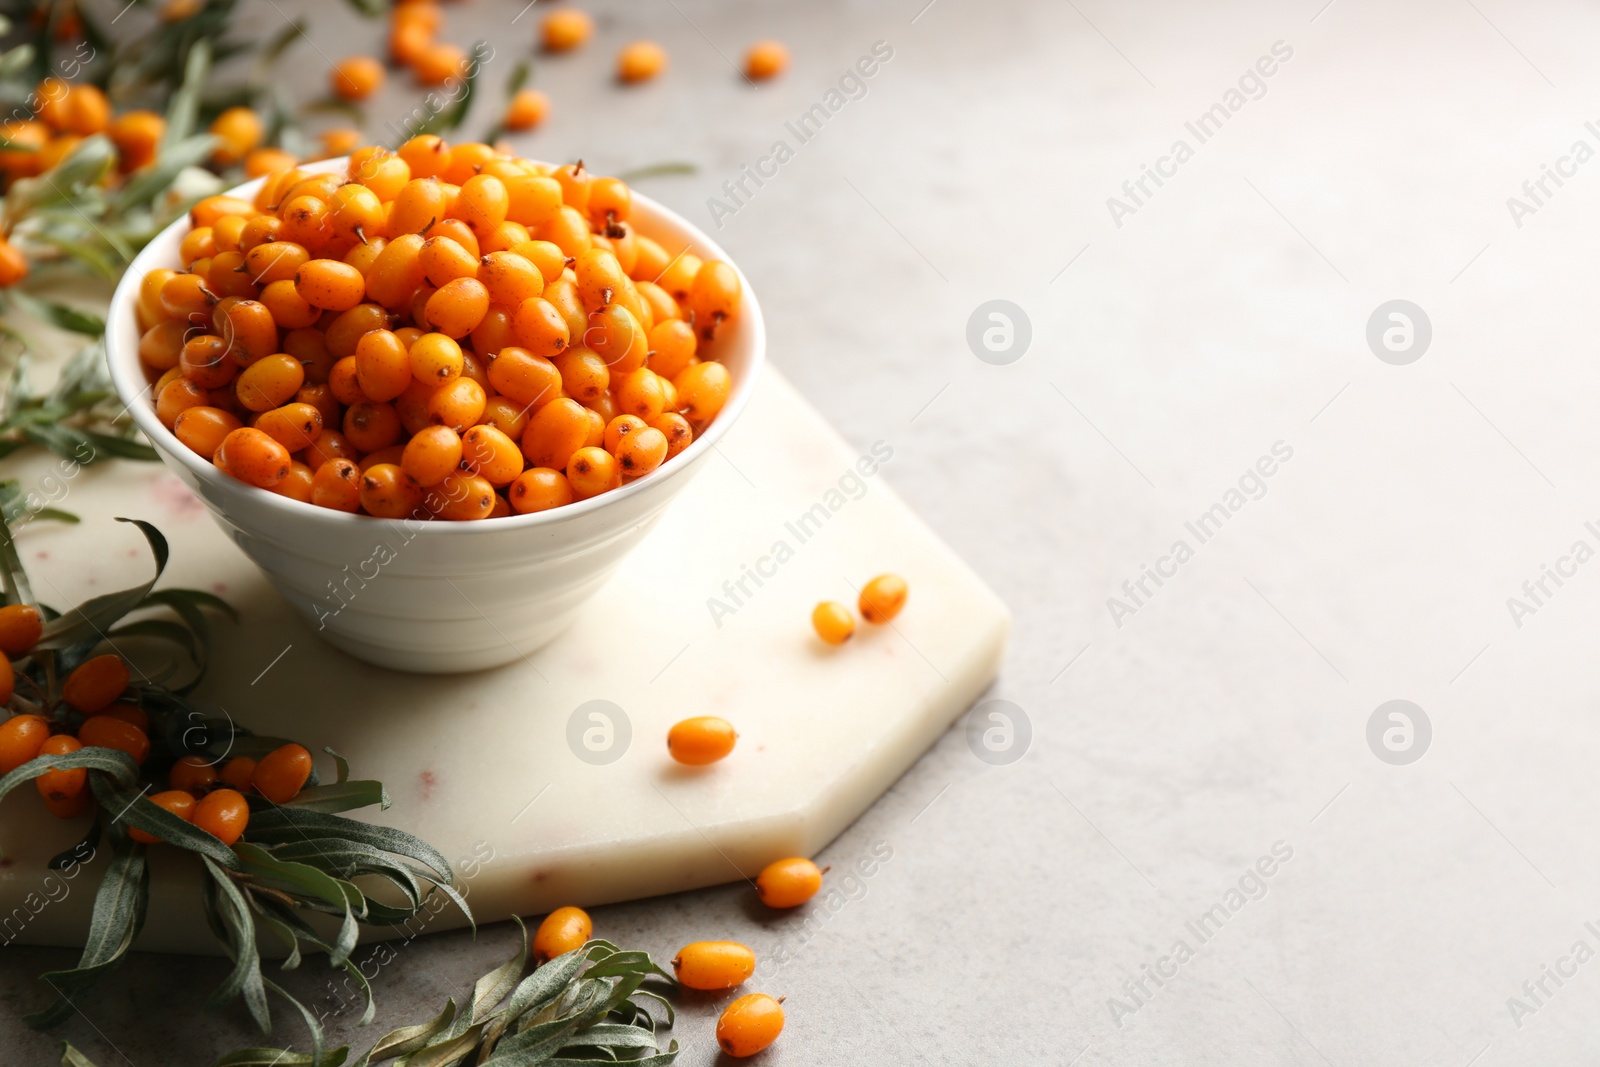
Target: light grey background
(1228, 313)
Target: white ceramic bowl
(433, 596)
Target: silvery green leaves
(589, 1004)
(78, 418)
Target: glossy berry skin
(20, 627)
(193, 774)
(711, 965)
(107, 731)
(833, 622)
(237, 772)
(749, 1025)
(64, 785)
(21, 738)
(177, 801)
(701, 740)
(357, 77)
(253, 456)
(539, 489)
(788, 883)
(282, 773)
(95, 683)
(563, 930)
(882, 598)
(222, 813)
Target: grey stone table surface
(1237, 499)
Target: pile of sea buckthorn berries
(438, 331)
(96, 708)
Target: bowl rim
(127, 377)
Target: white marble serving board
(480, 764)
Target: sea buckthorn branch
(589, 1004)
(275, 848)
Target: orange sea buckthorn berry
(584, 375)
(641, 61)
(271, 382)
(261, 161)
(713, 965)
(397, 271)
(527, 109)
(432, 454)
(833, 622)
(357, 77)
(427, 155)
(288, 308)
(702, 390)
(236, 772)
(749, 1025)
(540, 328)
(204, 428)
(640, 393)
(483, 202)
(95, 683)
(701, 740)
(275, 261)
(882, 598)
(13, 264)
(8, 680)
(252, 456)
(675, 428)
(383, 367)
(765, 59)
(238, 129)
(297, 484)
(388, 492)
(130, 713)
(565, 29)
(555, 431)
(179, 802)
(176, 397)
(713, 297)
(108, 731)
(490, 454)
(338, 141)
(192, 774)
(21, 738)
(294, 426)
(444, 260)
(370, 425)
(330, 284)
(619, 427)
(788, 883)
(61, 785)
(539, 489)
(640, 453)
(672, 348)
(524, 377)
(20, 627)
(162, 344)
(563, 930)
(337, 485)
(462, 497)
(457, 404)
(282, 773)
(136, 134)
(510, 278)
(438, 63)
(593, 471)
(85, 111)
(457, 308)
(330, 445)
(222, 813)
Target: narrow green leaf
(117, 917)
(59, 315)
(346, 797)
(408, 1039)
(285, 823)
(71, 1057)
(93, 617)
(236, 928)
(184, 107)
(657, 170)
